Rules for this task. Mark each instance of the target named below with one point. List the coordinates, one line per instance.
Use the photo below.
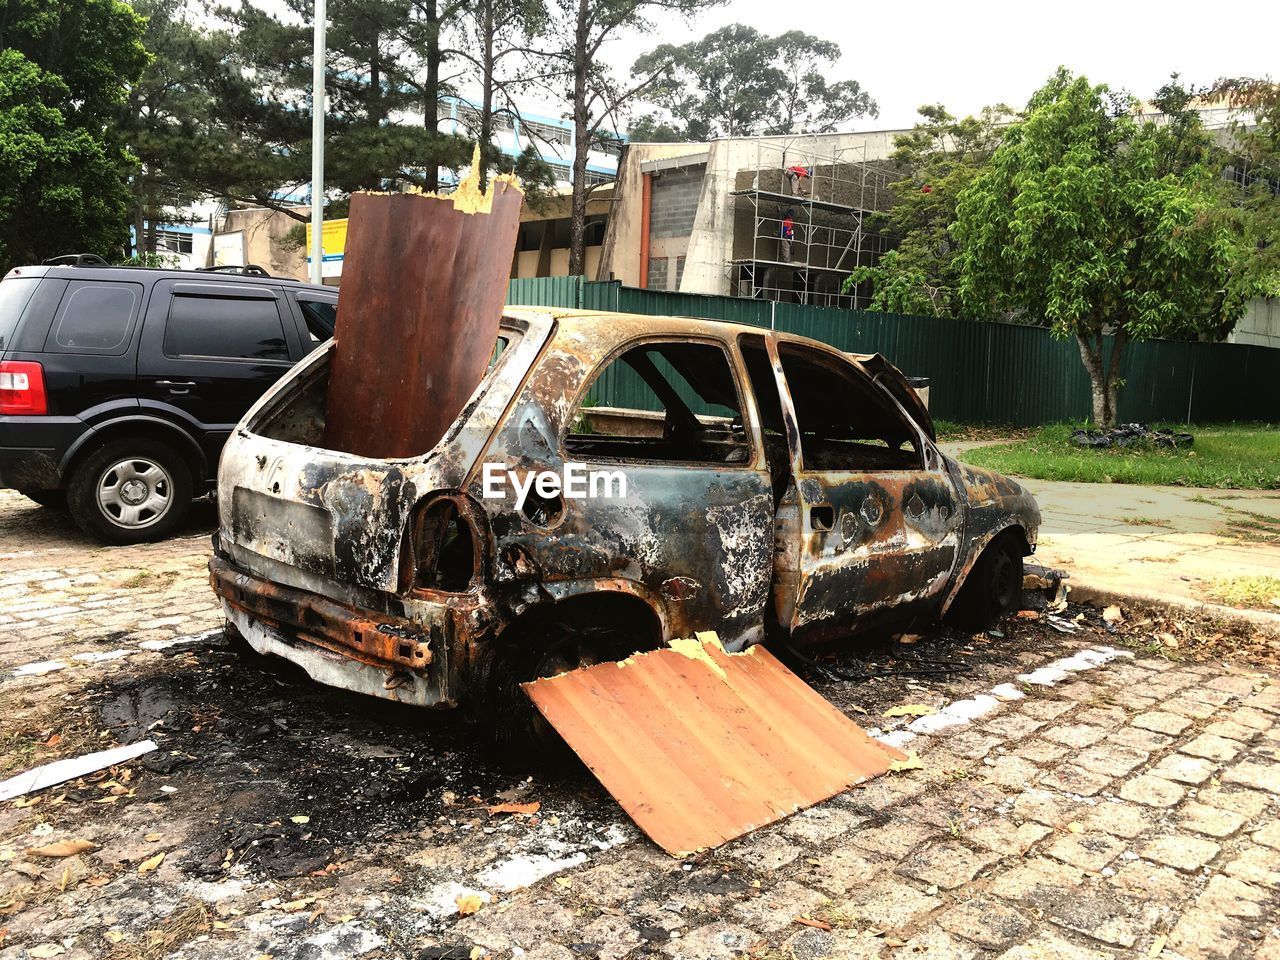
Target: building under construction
(786, 219)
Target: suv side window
(321, 317)
(95, 316)
(672, 402)
(224, 328)
(846, 422)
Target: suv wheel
(130, 491)
(993, 588)
(53, 499)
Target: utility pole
(317, 146)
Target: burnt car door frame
(711, 568)
(875, 544)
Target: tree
(596, 98)
(424, 34)
(1094, 222)
(63, 72)
(737, 81)
(939, 158)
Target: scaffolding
(831, 213)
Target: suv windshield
(14, 294)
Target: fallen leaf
(468, 904)
(910, 710)
(46, 950)
(151, 837)
(1028, 615)
(1157, 946)
(1168, 639)
(54, 740)
(564, 881)
(63, 848)
(28, 802)
(115, 936)
(912, 762)
(909, 638)
(478, 953)
(151, 863)
(522, 809)
(293, 906)
(1075, 827)
(300, 819)
(1112, 614)
(810, 922)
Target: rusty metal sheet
(700, 746)
(422, 291)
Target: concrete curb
(1096, 596)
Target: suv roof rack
(245, 270)
(77, 260)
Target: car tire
(993, 588)
(51, 499)
(523, 736)
(130, 491)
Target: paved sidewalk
(1159, 543)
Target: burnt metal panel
(422, 293)
(700, 746)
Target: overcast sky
(970, 54)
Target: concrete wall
(264, 232)
(1260, 324)
(673, 208)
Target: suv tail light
(22, 388)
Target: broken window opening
(846, 423)
(444, 544)
(764, 386)
(672, 402)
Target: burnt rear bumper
(336, 643)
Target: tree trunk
(1113, 370)
(486, 108)
(1092, 356)
(581, 145)
(431, 90)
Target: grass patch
(1261, 592)
(947, 430)
(1232, 456)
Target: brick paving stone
(1111, 759)
(1233, 684)
(1045, 710)
(972, 745)
(1213, 693)
(1267, 700)
(883, 792)
(948, 864)
(986, 922)
(1250, 803)
(1151, 882)
(1040, 751)
(841, 870)
(1049, 946)
(1012, 726)
(1180, 851)
(1211, 821)
(1233, 898)
(1087, 851)
(1146, 740)
(1160, 721)
(1251, 718)
(935, 944)
(1253, 773)
(1075, 734)
(1183, 769)
(1231, 730)
(1256, 865)
(1212, 748)
(1109, 717)
(1270, 947)
(810, 944)
(765, 851)
(1072, 779)
(1188, 706)
(1204, 934)
(1099, 915)
(714, 941)
(1268, 835)
(896, 838)
(1151, 791)
(1119, 819)
(777, 908)
(1044, 806)
(887, 904)
(821, 823)
(1009, 770)
(1002, 836)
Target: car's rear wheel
(130, 491)
(52, 499)
(993, 588)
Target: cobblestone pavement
(1074, 801)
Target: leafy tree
(64, 68)
(939, 158)
(736, 81)
(596, 98)
(1093, 221)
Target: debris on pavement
(60, 771)
(700, 746)
(1131, 435)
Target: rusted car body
(774, 486)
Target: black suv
(119, 385)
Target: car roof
(68, 272)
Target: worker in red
(788, 235)
(797, 175)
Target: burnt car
(703, 476)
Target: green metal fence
(979, 372)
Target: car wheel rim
(1003, 586)
(135, 493)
